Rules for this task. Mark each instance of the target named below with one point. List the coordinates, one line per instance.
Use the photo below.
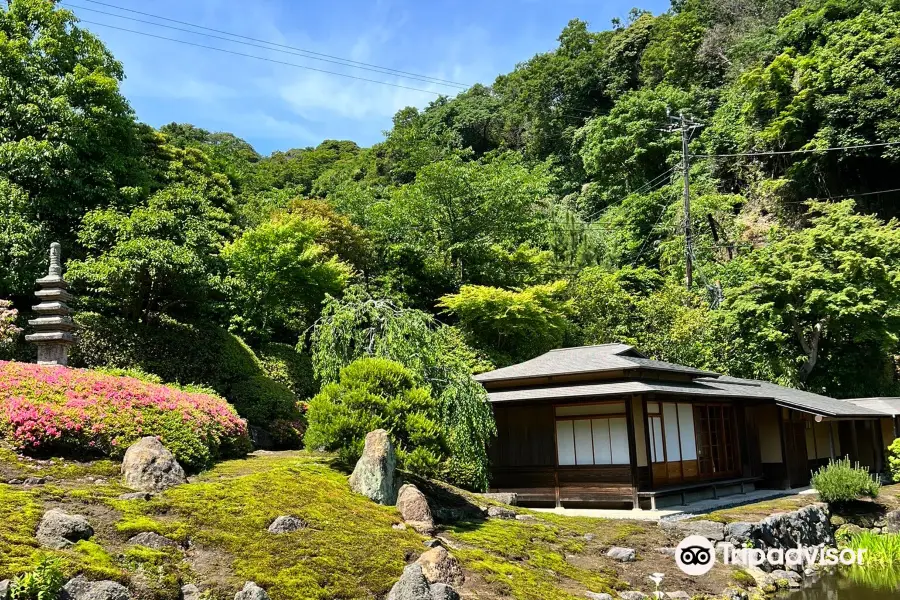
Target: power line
(271, 60)
(310, 52)
(806, 151)
(653, 183)
(844, 196)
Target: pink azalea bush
(61, 410)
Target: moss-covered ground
(350, 548)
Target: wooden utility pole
(684, 125)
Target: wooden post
(855, 441)
(632, 452)
(647, 438)
(784, 455)
(878, 445)
(831, 438)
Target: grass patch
(759, 510)
(14, 466)
(349, 549)
(527, 559)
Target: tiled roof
(721, 387)
(586, 359)
(887, 405)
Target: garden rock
(596, 596)
(34, 481)
(59, 530)
(632, 595)
(414, 509)
(621, 554)
(148, 466)
(82, 589)
(499, 512)
(439, 566)
(679, 595)
(4, 588)
(738, 533)
(708, 529)
(251, 591)
(892, 522)
(152, 540)
(374, 475)
(433, 543)
(412, 585)
(442, 591)
(190, 592)
(286, 524)
(510, 498)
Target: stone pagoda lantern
(53, 327)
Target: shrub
(285, 365)
(177, 352)
(43, 583)
(376, 393)
(839, 482)
(262, 401)
(893, 456)
(45, 409)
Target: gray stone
(510, 498)
(152, 540)
(442, 591)
(525, 518)
(414, 509)
(432, 543)
(4, 588)
(679, 595)
(439, 566)
(738, 533)
(412, 585)
(374, 475)
(498, 512)
(59, 530)
(82, 589)
(136, 496)
(632, 595)
(15, 482)
(735, 594)
(148, 466)
(666, 551)
(892, 522)
(621, 554)
(287, 524)
(708, 529)
(190, 592)
(596, 596)
(35, 481)
(251, 591)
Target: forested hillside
(540, 210)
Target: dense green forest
(539, 211)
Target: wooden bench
(682, 488)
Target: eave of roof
(727, 388)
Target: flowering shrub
(44, 409)
(8, 329)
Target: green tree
(67, 136)
(376, 393)
(822, 301)
(279, 275)
(362, 326)
(517, 323)
(162, 255)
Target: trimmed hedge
(77, 411)
(264, 388)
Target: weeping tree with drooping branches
(359, 325)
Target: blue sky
(277, 107)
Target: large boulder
(59, 530)
(5, 586)
(374, 475)
(414, 509)
(412, 585)
(82, 589)
(442, 591)
(739, 532)
(148, 466)
(439, 566)
(892, 522)
(251, 591)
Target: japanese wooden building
(606, 425)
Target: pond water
(850, 586)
